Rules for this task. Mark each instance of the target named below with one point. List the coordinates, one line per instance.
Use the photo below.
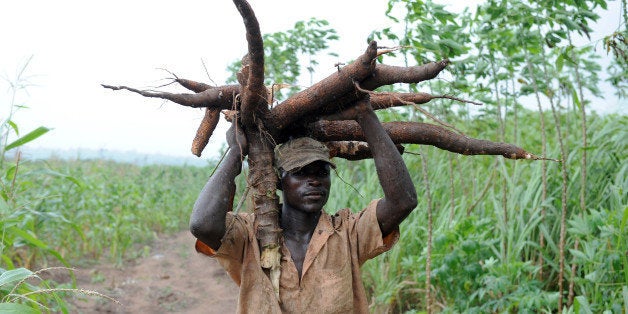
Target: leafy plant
(19, 240)
(19, 295)
(286, 50)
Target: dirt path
(174, 278)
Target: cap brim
(304, 162)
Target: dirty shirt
(331, 280)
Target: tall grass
(484, 262)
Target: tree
(317, 111)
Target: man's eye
(298, 173)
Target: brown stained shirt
(331, 280)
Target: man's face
(307, 189)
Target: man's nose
(313, 180)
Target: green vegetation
(82, 212)
(500, 236)
(286, 52)
(491, 235)
(109, 208)
(483, 262)
(86, 210)
(23, 218)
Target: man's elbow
(200, 226)
(410, 201)
(197, 228)
(208, 230)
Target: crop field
(494, 236)
(489, 234)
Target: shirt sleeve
(233, 244)
(368, 234)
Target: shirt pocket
(334, 292)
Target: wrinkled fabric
(299, 152)
(331, 280)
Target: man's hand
(236, 139)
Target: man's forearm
(207, 222)
(399, 191)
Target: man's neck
(298, 227)
(297, 223)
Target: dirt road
(173, 278)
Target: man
(321, 254)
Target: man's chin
(312, 208)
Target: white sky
(77, 45)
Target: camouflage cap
(300, 152)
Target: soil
(172, 278)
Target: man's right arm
(207, 222)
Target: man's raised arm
(207, 222)
(399, 193)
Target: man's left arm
(399, 192)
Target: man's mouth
(315, 193)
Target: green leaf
(592, 276)
(551, 36)
(574, 94)
(589, 14)
(28, 137)
(581, 305)
(17, 308)
(430, 46)
(624, 293)
(578, 254)
(452, 44)
(70, 178)
(14, 127)
(571, 25)
(28, 237)
(32, 240)
(562, 34)
(10, 173)
(560, 61)
(4, 208)
(14, 275)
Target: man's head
(304, 165)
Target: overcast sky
(77, 45)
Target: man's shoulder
(343, 213)
(342, 218)
(244, 218)
(347, 213)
